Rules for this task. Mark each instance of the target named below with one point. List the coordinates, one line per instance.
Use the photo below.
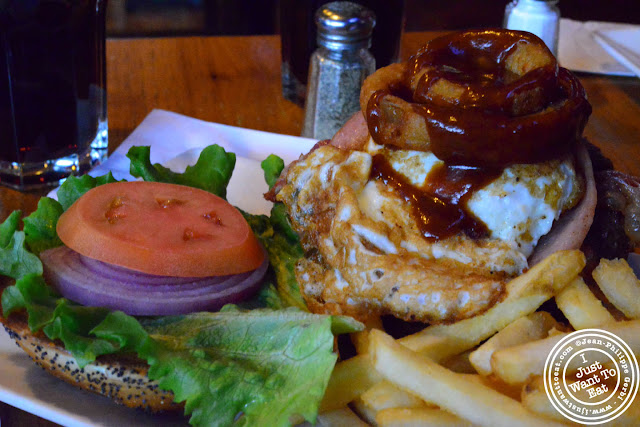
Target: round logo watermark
(591, 376)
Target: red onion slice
(97, 284)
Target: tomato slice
(162, 229)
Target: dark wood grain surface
(236, 81)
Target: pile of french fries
(486, 370)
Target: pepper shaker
(338, 67)
(540, 17)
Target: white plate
(176, 141)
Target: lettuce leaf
(71, 323)
(211, 172)
(272, 167)
(40, 226)
(15, 260)
(31, 293)
(75, 186)
(282, 245)
(283, 252)
(223, 358)
(58, 317)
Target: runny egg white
(518, 208)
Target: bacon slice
(353, 135)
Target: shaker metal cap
(343, 23)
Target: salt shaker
(338, 67)
(540, 17)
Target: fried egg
(366, 255)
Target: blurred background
(142, 18)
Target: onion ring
(478, 98)
(95, 283)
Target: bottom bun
(122, 378)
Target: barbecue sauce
(440, 206)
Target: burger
(465, 167)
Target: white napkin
(579, 51)
(623, 44)
(176, 142)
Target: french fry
(360, 341)
(418, 417)
(364, 411)
(452, 392)
(557, 330)
(581, 307)
(536, 400)
(525, 294)
(529, 328)
(437, 347)
(459, 363)
(354, 376)
(497, 384)
(343, 417)
(620, 285)
(515, 365)
(349, 380)
(385, 395)
(630, 417)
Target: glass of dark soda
(53, 110)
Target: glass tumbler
(53, 106)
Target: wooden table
(236, 81)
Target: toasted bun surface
(121, 378)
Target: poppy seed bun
(122, 378)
